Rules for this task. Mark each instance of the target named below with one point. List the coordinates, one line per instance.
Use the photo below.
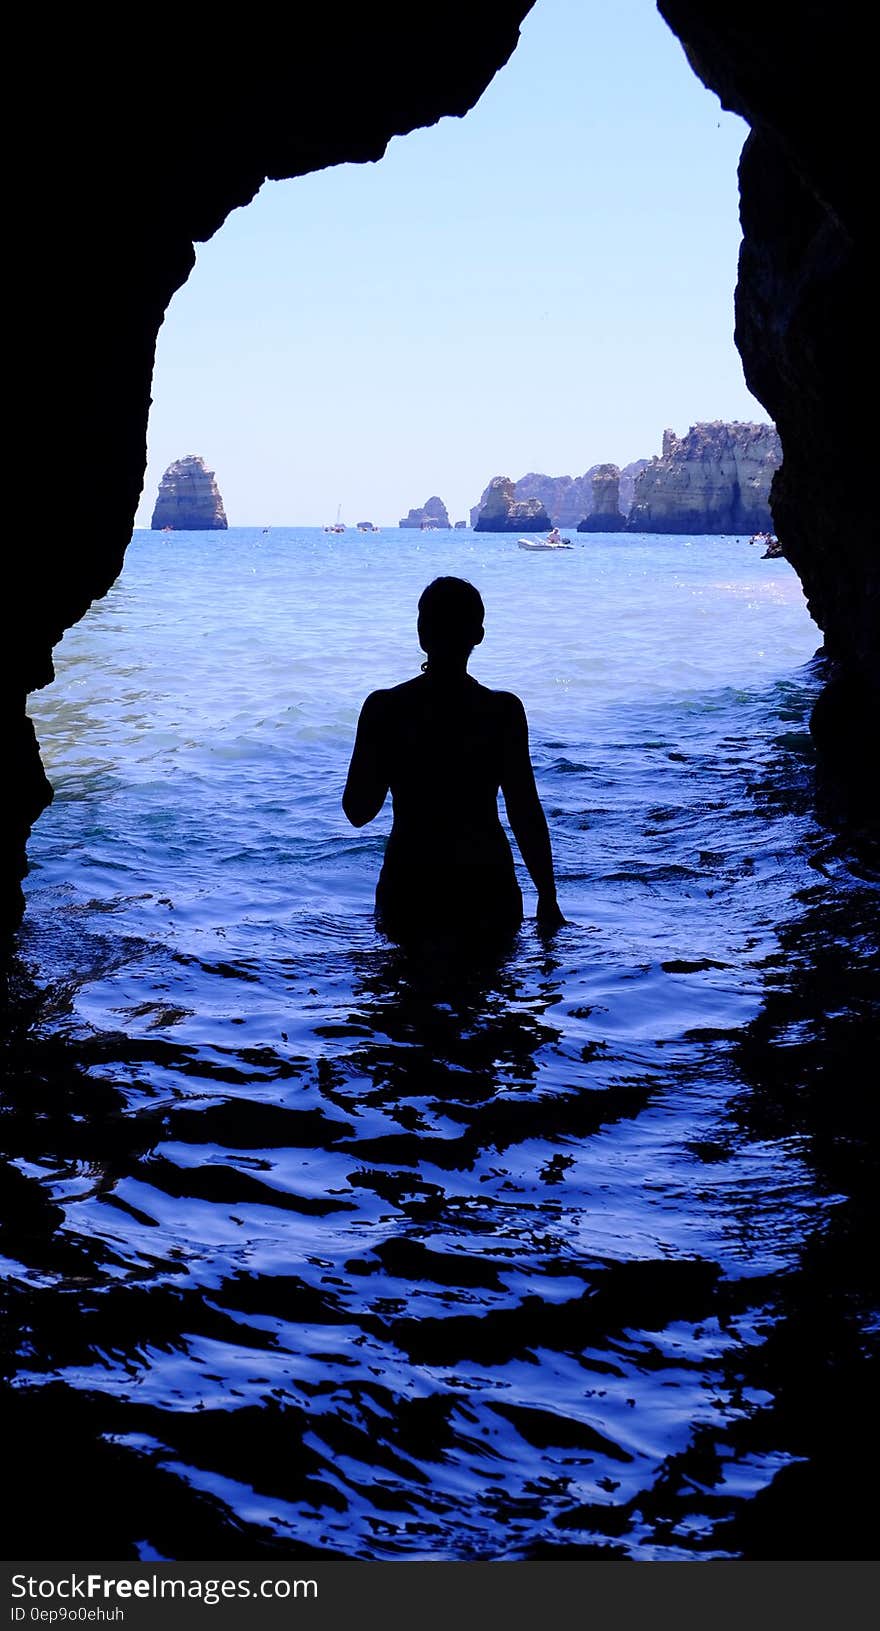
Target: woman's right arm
(526, 815)
(366, 785)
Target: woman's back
(444, 746)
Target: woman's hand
(548, 915)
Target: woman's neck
(446, 671)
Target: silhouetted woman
(444, 745)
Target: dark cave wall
(143, 140)
(139, 142)
(804, 327)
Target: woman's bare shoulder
(383, 702)
(506, 704)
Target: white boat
(552, 541)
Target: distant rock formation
(189, 499)
(716, 479)
(501, 511)
(605, 513)
(564, 498)
(495, 501)
(432, 514)
(567, 499)
(628, 477)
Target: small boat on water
(773, 548)
(553, 540)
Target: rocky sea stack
(605, 513)
(433, 513)
(567, 499)
(189, 499)
(502, 511)
(716, 479)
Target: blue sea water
(334, 1253)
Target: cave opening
(301, 343)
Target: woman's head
(451, 616)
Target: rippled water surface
(311, 1249)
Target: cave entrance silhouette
(239, 222)
(168, 1167)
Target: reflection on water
(313, 1249)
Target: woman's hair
(451, 616)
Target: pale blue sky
(541, 285)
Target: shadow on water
(463, 1270)
(808, 1067)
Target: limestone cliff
(716, 479)
(502, 511)
(628, 476)
(564, 498)
(604, 513)
(567, 499)
(433, 513)
(189, 498)
(495, 500)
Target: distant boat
(339, 524)
(773, 548)
(366, 526)
(552, 541)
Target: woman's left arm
(366, 785)
(526, 814)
